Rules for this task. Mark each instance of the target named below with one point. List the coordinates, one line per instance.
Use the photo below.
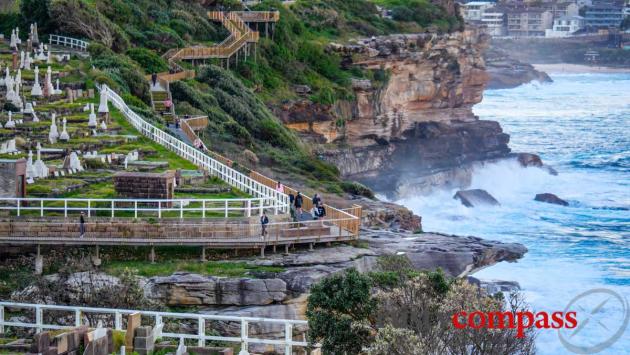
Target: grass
(168, 267)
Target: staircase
(240, 35)
(159, 96)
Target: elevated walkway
(236, 22)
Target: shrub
(148, 60)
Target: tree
(339, 312)
(35, 11)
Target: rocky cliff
(415, 122)
(506, 72)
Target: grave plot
(74, 143)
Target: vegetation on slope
(129, 38)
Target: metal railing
(180, 208)
(68, 42)
(159, 320)
(196, 156)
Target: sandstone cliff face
(416, 123)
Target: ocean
(579, 125)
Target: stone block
(144, 331)
(133, 322)
(41, 342)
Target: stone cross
(37, 89)
(64, 136)
(54, 133)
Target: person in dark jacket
(82, 225)
(264, 221)
(292, 206)
(299, 201)
(321, 211)
(154, 79)
(316, 200)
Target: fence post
(244, 338)
(249, 208)
(18, 207)
(77, 317)
(203, 209)
(202, 332)
(226, 208)
(65, 208)
(41, 208)
(135, 209)
(159, 209)
(181, 209)
(117, 321)
(288, 338)
(1, 319)
(113, 208)
(89, 212)
(38, 318)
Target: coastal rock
(550, 198)
(417, 120)
(528, 160)
(457, 256)
(183, 288)
(506, 72)
(475, 197)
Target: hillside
(130, 37)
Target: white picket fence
(181, 208)
(197, 157)
(116, 315)
(68, 42)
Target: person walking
(154, 80)
(264, 221)
(82, 225)
(299, 201)
(292, 206)
(280, 187)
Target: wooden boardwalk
(236, 22)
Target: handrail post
(18, 207)
(65, 208)
(181, 209)
(38, 318)
(244, 338)
(41, 208)
(135, 209)
(117, 321)
(203, 209)
(77, 317)
(113, 208)
(1, 319)
(159, 209)
(89, 212)
(202, 332)
(226, 208)
(288, 338)
(249, 208)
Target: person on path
(292, 206)
(316, 200)
(279, 187)
(154, 79)
(264, 221)
(299, 201)
(167, 106)
(82, 225)
(177, 123)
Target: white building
(473, 11)
(494, 21)
(565, 26)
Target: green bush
(148, 60)
(356, 188)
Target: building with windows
(603, 14)
(565, 26)
(473, 11)
(528, 22)
(494, 20)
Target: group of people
(296, 207)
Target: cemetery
(70, 147)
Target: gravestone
(13, 177)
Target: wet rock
(550, 198)
(495, 286)
(302, 89)
(475, 198)
(529, 160)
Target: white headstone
(103, 125)
(37, 89)
(54, 133)
(10, 123)
(30, 170)
(102, 107)
(21, 59)
(92, 120)
(29, 108)
(57, 90)
(41, 170)
(35, 118)
(28, 61)
(64, 136)
(13, 43)
(75, 163)
(86, 108)
(49, 84)
(48, 56)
